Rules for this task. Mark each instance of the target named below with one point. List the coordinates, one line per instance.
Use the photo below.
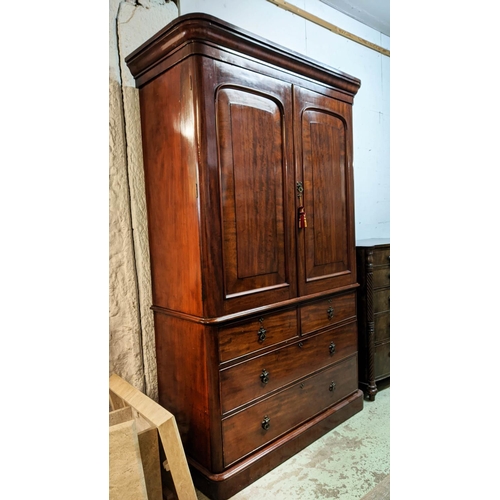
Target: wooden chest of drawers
(253, 391)
(373, 263)
(306, 372)
(267, 419)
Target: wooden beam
(335, 29)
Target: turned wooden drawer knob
(266, 423)
(264, 376)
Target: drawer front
(381, 256)
(327, 312)
(257, 333)
(382, 326)
(381, 277)
(245, 431)
(382, 360)
(381, 300)
(258, 376)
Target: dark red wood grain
(242, 383)
(171, 192)
(243, 432)
(327, 312)
(323, 153)
(243, 338)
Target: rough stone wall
(131, 332)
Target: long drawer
(257, 425)
(258, 376)
(258, 333)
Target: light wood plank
(335, 29)
(126, 475)
(120, 416)
(150, 455)
(165, 422)
(115, 402)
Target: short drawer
(381, 277)
(257, 333)
(327, 312)
(257, 377)
(382, 326)
(381, 256)
(382, 360)
(381, 300)
(259, 424)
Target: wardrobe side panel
(188, 385)
(171, 176)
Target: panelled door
(256, 178)
(323, 155)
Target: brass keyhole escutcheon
(264, 376)
(332, 387)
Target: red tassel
(302, 218)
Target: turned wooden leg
(371, 391)
(372, 386)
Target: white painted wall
(371, 104)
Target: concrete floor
(345, 464)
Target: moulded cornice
(203, 30)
